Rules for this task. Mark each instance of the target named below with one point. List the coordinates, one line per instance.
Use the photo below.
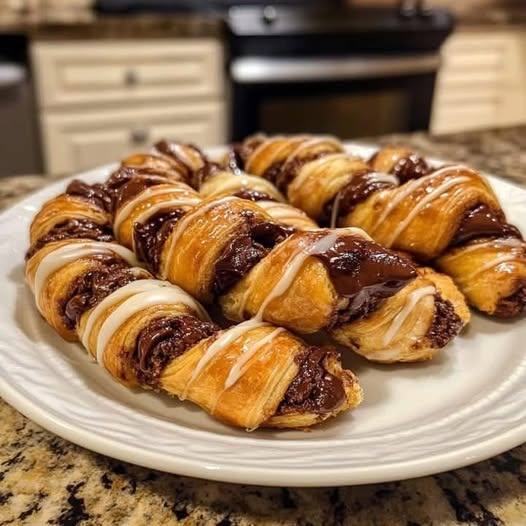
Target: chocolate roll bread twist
(152, 334)
(470, 239)
(449, 216)
(232, 251)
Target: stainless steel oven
(348, 72)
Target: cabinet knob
(139, 136)
(131, 77)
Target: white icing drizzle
(309, 143)
(137, 303)
(381, 177)
(171, 203)
(497, 244)
(226, 338)
(178, 151)
(307, 170)
(239, 369)
(281, 211)
(335, 209)
(261, 147)
(183, 223)
(225, 181)
(65, 254)
(291, 269)
(493, 263)
(293, 266)
(411, 302)
(435, 194)
(140, 285)
(146, 194)
(374, 177)
(408, 188)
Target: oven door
(347, 97)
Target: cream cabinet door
(83, 73)
(481, 81)
(76, 141)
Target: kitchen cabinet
(481, 81)
(101, 100)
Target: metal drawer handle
(139, 136)
(131, 77)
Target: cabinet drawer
(75, 141)
(87, 72)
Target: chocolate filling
(365, 273)
(244, 251)
(170, 148)
(96, 194)
(92, 287)
(446, 323)
(150, 237)
(356, 191)
(137, 182)
(73, 229)
(512, 305)
(282, 175)
(164, 339)
(313, 389)
(272, 173)
(412, 167)
(123, 175)
(253, 195)
(198, 178)
(483, 221)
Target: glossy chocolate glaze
(446, 323)
(365, 273)
(313, 389)
(96, 194)
(483, 221)
(136, 183)
(150, 237)
(123, 175)
(412, 167)
(73, 229)
(251, 244)
(356, 191)
(91, 288)
(163, 340)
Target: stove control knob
(269, 15)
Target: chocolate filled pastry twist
(212, 181)
(305, 280)
(151, 334)
(470, 238)
(448, 216)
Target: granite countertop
(84, 23)
(46, 480)
(80, 21)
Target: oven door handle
(259, 70)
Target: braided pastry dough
(152, 334)
(444, 215)
(305, 280)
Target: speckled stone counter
(46, 480)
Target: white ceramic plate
(464, 406)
